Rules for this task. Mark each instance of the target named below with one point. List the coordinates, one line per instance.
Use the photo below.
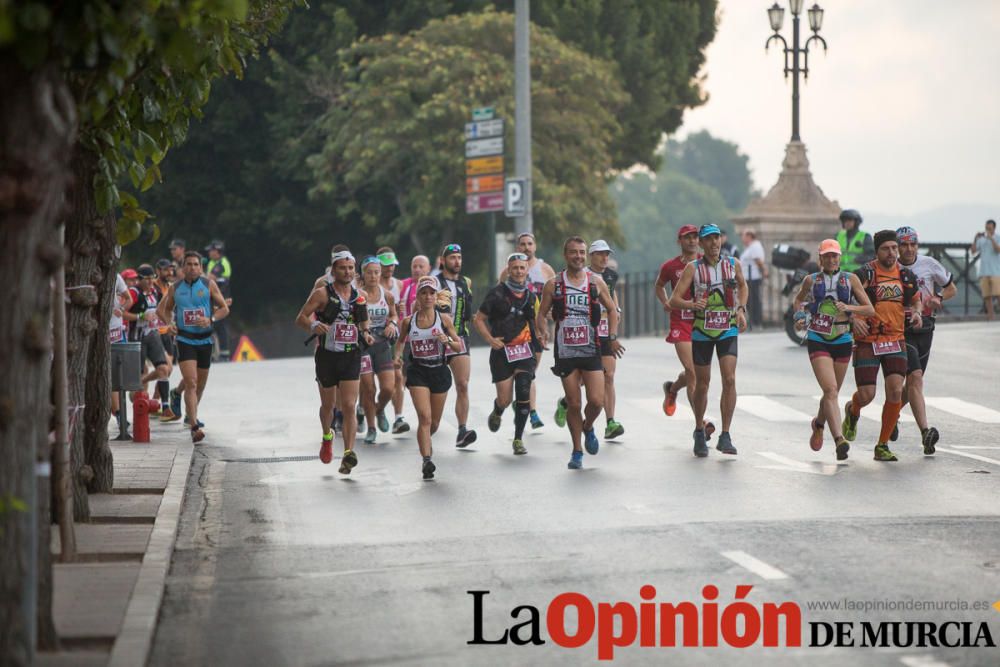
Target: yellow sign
(247, 351)
(484, 165)
(484, 184)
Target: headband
(343, 254)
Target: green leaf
(34, 17)
(147, 145)
(137, 173)
(155, 235)
(127, 231)
(128, 200)
(152, 175)
(229, 9)
(151, 110)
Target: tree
(715, 162)
(100, 90)
(652, 207)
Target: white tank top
(378, 311)
(536, 277)
(575, 337)
(394, 290)
(425, 348)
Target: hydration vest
(559, 301)
(703, 277)
(819, 290)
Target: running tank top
(575, 336)
(536, 278)
(394, 290)
(715, 283)
(191, 301)
(425, 348)
(378, 315)
(343, 335)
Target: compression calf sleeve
(890, 415)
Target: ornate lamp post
(776, 16)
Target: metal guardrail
(642, 314)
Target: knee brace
(522, 387)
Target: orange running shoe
(816, 439)
(326, 451)
(669, 399)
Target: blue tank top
(191, 301)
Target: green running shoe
(850, 424)
(493, 421)
(882, 453)
(613, 430)
(519, 448)
(561, 413)
(383, 422)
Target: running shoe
(850, 425)
(669, 399)
(929, 436)
(429, 469)
(882, 453)
(709, 428)
(842, 448)
(561, 413)
(519, 447)
(197, 435)
(465, 438)
(383, 422)
(198, 423)
(493, 421)
(370, 436)
(590, 441)
(700, 448)
(613, 430)
(175, 402)
(575, 460)
(326, 450)
(400, 426)
(169, 415)
(536, 421)
(895, 433)
(725, 444)
(816, 439)
(349, 460)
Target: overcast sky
(901, 115)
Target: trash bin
(126, 366)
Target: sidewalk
(106, 602)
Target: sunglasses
(452, 248)
(517, 256)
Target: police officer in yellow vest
(856, 246)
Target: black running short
(918, 358)
(605, 345)
(332, 368)
(566, 367)
(152, 349)
(169, 346)
(436, 378)
(501, 369)
(200, 353)
(701, 350)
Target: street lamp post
(776, 16)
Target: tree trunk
(37, 132)
(85, 276)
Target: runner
(420, 266)
(574, 297)
(377, 359)
(681, 322)
(506, 321)
(600, 254)
(539, 273)
(165, 276)
(426, 333)
(145, 327)
(880, 341)
(936, 285)
(322, 281)
(719, 306)
(341, 323)
(117, 331)
(190, 302)
(456, 293)
(828, 295)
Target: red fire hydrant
(142, 407)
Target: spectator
(177, 249)
(755, 270)
(986, 246)
(728, 249)
(219, 271)
(856, 247)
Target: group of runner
(373, 328)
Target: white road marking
(967, 455)
(993, 447)
(758, 567)
(797, 466)
(770, 410)
(922, 661)
(957, 406)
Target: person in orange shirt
(505, 320)
(880, 341)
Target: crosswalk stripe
(965, 409)
(770, 410)
(976, 457)
(755, 565)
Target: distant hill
(950, 223)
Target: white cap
(600, 245)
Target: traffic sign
(484, 203)
(484, 129)
(492, 183)
(483, 113)
(514, 197)
(483, 147)
(484, 165)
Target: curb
(135, 639)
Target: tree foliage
(714, 162)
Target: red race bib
(517, 352)
(366, 364)
(191, 316)
(574, 335)
(886, 347)
(427, 348)
(603, 330)
(346, 334)
(717, 320)
(821, 323)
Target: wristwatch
(612, 336)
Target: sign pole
(522, 110)
(493, 249)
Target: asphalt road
(282, 561)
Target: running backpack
(559, 301)
(359, 307)
(819, 290)
(704, 278)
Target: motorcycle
(798, 264)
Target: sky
(901, 116)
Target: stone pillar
(794, 211)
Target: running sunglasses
(452, 248)
(517, 256)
